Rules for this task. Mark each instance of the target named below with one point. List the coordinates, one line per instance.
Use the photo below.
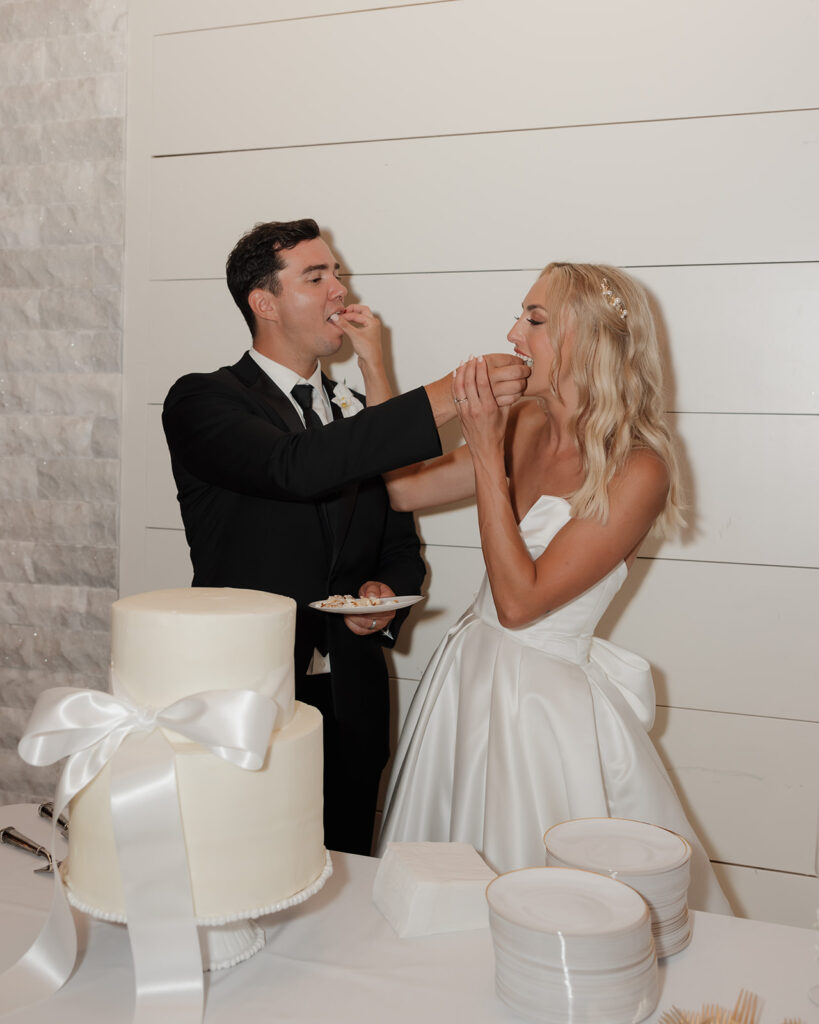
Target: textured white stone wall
(62, 130)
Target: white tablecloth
(335, 959)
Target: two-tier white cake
(253, 838)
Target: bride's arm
(582, 552)
(440, 481)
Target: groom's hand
(507, 376)
(367, 624)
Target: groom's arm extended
(219, 433)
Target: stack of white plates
(572, 946)
(650, 859)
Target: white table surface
(335, 959)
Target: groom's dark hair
(254, 262)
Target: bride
(523, 718)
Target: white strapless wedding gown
(513, 730)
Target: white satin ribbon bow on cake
(90, 727)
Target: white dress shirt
(285, 379)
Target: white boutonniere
(346, 401)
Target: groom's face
(309, 294)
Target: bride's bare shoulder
(644, 478)
(647, 467)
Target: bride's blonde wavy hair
(615, 365)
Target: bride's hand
(363, 328)
(483, 422)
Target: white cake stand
(228, 940)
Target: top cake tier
(167, 644)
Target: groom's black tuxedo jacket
(269, 506)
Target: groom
(279, 481)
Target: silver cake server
(14, 837)
(46, 810)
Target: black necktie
(303, 393)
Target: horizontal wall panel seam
(485, 132)
(740, 412)
(754, 867)
(644, 558)
(691, 412)
(735, 714)
(685, 707)
(650, 558)
(520, 270)
(304, 17)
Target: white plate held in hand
(363, 606)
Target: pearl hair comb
(613, 299)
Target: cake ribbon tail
(156, 885)
(89, 727)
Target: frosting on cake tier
(254, 838)
(167, 644)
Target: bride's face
(532, 339)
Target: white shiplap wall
(450, 149)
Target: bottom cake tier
(254, 838)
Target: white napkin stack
(425, 888)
